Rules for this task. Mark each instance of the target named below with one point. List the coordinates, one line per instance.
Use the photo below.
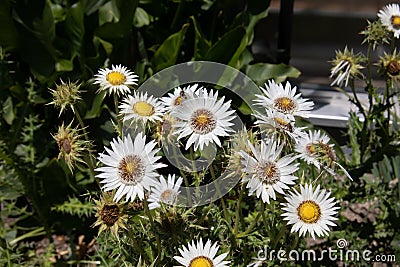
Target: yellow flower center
(310, 148)
(202, 121)
(116, 78)
(285, 105)
(395, 21)
(143, 109)
(309, 211)
(178, 101)
(283, 124)
(167, 196)
(201, 261)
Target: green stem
(237, 211)
(85, 134)
(225, 210)
(251, 226)
(140, 250)
(267, 227)
(119, 123)
(279, 236)
(148, 213)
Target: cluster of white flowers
(200, 118)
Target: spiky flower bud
(71, 145)
(110, 215)
(376, 34)
(65, 94)
(389, 65)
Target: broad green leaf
(8, 111)
(262, 72)
(45, 29)
(247, 38)
(223, 50)
(8, 33)
(141, 18)
(97, 106)
(75, 26)
(108, 13)
(122, 28)
(167, 54)
(65, 65)
(201, 44)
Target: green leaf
(167, 54)
(8, 33)
(8, 111)
(97, 106)
(247, 38)
(262, 72)
(75, 27)
(122, 28)
(201, 44)
(224, 49)
(74, 206)
(65, 65)
(141, 18)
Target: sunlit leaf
(262, 72)
(167, 54)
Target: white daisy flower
(310, 211)
(115, 80)
(346, 66)
(142, 107)
(130, 166)
(284, 100)
(390, 17)
(266, 174)
(199, 255)
(204, 118)
(179, 95)
(164, 191)
(309, 146)
(276, 123)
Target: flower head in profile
(65, 95)
(314, 148)
(390, 17)
(201, 255)
(266, 172)
(204, 119)
(116, 80)
(71, 145)
(141, 107)
(277, 125)
(346, 66)
(284, 100)
(310, 211)
(164, 191)
(130, 166)
(110, 215)
(179, 95)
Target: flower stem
(119, 123)
(237, 212)
(85, 134)
(148, 213)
